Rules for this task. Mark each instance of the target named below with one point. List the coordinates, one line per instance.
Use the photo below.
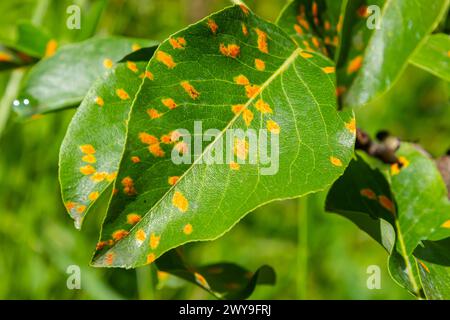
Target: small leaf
(434, 56)
(63, 80)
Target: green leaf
(434, 56)
(33, 41)
(388, 53)
(204, 69)
(12, 59)
(223, 280)
(63, 80)
(314, 25)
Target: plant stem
(145, 283)
(11, 91)
(302, 248)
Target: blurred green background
(316, 255)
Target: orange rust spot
(70, 205)
(201, 280)
(303, 22)
(135, 159)
(169, 103)
(315, 42)
(446, 224)
(87, 148)
(154, 241)
(262, 41)
(315, 9)
(232, 50)
(244, 9)
(99, 101)
(305, 55)
(133, 218)
(50, 48)
(94, 195)
(351, 126)
(404, 162)
(395, 169)
(100, 245)
(128, 186)
(5, 57)
(234, 166)
(178, 43)
(135, 47)
(99, 176)
(262, 106)
(237, 108)
(298, 29)
(147, 138)
(328, 70)
(241, 80)
(241, 148)
(260, 65)
(252, 90)
(89, 158)
(386, 203)
(244, 29)
(368, 193)
(115, 191)
(151, 258)
(167, 139)
(424, 266)
(109, 258)
(155, 149)
(180, 202)
(340, 91)
(107, 63)
(212, 26)
(247, 115)
(336, 41)
(80, 208)
(166, 59)
(119, 234)
(354, 65)
(153, 113)
(87, 170)
(194, 94)
(147, 74)
(140, 235)
(336, 162)
(187, 229)
(273, 127)
(111, 176)
(172, 180)
(162, 276)
(327, 25)
(122, 94)
(132, 66)
(363, 12)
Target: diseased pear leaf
(63, 79)
(231, 70)
(434, 56)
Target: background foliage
(325, 258)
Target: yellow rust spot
(172, 180)
(94, 195)
(147, 74)
(237, 108)
(122, 94)
(147, 138)
(166, 59)
(247, 115)
(305, 55)
(335, 161)
(262, 106)
(154, 241)
(153, 113)
(232, 50)
(190, 90)
(244, 29)
(329, 69)
(241, 148)
(397, 167)
(135, 47)
(87, 169)
(169, 103)
(133, 218)
(119, 234)
(260, 64)
(262, 41)
(368, 193)
(241, 80)
(354, 65)
(107, 63)
(89, 158)
(201, 280)
(178, 43)
(187, 229)
(212, 26)
(87, 149)
(99, 101)
(252, 90)
(446, 224)
(109, 258)
(50, 48)
(155, 149)
(140, 235)
(234, 166)
(298, 29)
(162, 275)
(99, 176)
(111, 176)
(180, 202)
(273, 127)
(424, 266)
(151, 258)
(386, 203)
(132, 66)
(5, 57)
(135, 159)
(351, 126)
